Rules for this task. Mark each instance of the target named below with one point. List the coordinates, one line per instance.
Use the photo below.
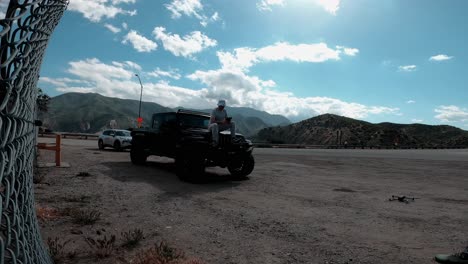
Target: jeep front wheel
(242, 167)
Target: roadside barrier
(68, 134)
(57, 147)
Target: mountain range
(331, 129)
(91, 113)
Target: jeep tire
(242, 167)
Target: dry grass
(85, 216)
(132, 238)
(56, 249)
(102, 247)
(162, 253)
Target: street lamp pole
(141, 93)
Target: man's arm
(213, 118)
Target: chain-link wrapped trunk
(25, 32)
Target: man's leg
(214, 133)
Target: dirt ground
(298, 206)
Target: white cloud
(139, 42)
(124, 26)
(243, 58)
(190, 8)
(410, 102)
(98, 9)
(99, 71)
(112, 28)
(116, 2)
(185, 46)
(171, 73)
(215, 17)
(331, 6)
(451, 113)
(243, 90)
(117, 80)
(440, 57)
(265, 5)
(185, 7)
(62, 81)
(128, 65)
(348, 51)
(419, 121)
(407, 68)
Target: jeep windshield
(194, 121)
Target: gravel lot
(298, 206)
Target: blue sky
(399, 61)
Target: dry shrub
(85, 216)
(193, 261)
(56, 249)
(102, 247)
(161, 253)
(132, 238)
(46, 213)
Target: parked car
(115, 138)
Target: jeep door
(163, 139)
(168, 134)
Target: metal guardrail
(24, 34)
(305, 146)
(69, 134)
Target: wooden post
(58, 154)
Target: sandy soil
(298, 206)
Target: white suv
(116, 138)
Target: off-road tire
(101, 144)
(241, 168)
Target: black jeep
(184, 136)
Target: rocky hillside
(331, 129)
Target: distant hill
(324, 130)
(269, 119)
(249, 121)
(91, 113)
